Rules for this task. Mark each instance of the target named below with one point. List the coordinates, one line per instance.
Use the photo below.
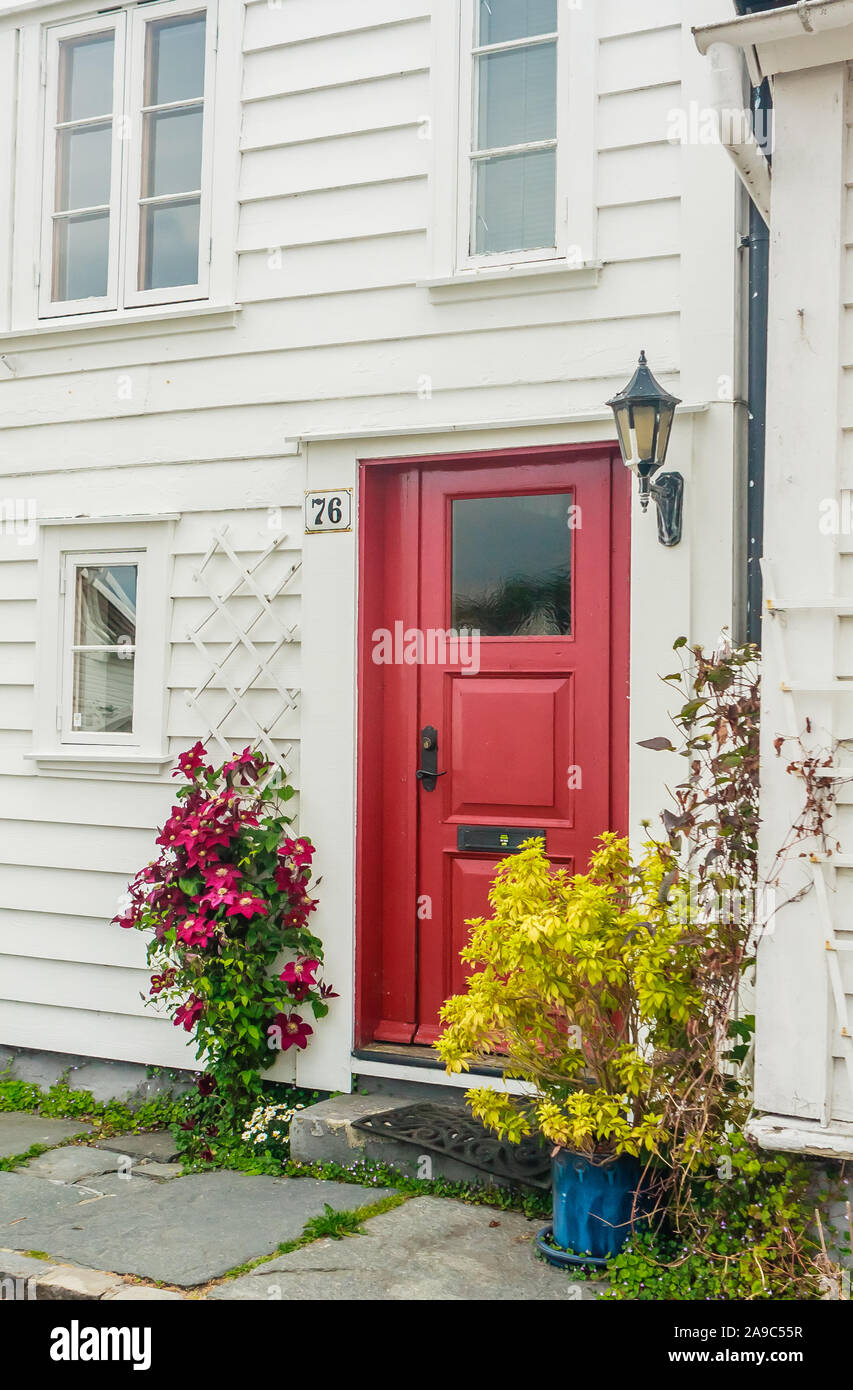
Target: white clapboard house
(309, 314)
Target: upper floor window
(126, 215)
(512, 157)
(513, 139)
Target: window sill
(166, 318)
(104, 762)
(496, 281)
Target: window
(98, 703)
(103, 644)
(126, 215)
(512, 171)
(513, 137)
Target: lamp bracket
(667, 489)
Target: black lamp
(644, 414)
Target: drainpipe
(735, 124)
(759, 293)
(744, 133)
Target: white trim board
(579, 417)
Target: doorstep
(438, 1144)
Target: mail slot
(494, 839)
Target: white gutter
(790, 22)
(734, 124)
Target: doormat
(455, 1133)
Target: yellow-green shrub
(588, 988)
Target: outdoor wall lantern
(644, 413)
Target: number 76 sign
(328, 511)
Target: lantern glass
(623, 429)
(667, 416)
(645, 428)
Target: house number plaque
(328, 511)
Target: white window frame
(132, 183)
(65, 545)
(116, 23)
(72, 560)
(123, 295)
(453, 130)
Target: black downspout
(759, 284)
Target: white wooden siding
(335, 333)
(801, 1071)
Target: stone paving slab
(19, 1132)
(183, 1233)
(158, 1145)
(72, 1164)
(429, 1248)
(24, 1200)
(143, 1293)
(113, 1185)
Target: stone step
(328, 1133)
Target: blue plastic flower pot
(594, 1203)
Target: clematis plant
(227, 898)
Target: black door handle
(428, 773)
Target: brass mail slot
(494, 839)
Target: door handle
(428, 773)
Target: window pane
(103, 692)
(512, 565)
(502, 20)
(83, 158)
(81, 256)
(86, 77)
(173, 145)
(517, 97)
(169, 252)
(515, 203)
(105, 606)
(175, 61)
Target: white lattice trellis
(246, 582)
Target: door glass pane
(86, 77)
(173, 146)
(103, 692)
(515, 202)
(175, 68)
(81, 257)
(169, 252)
(512, 560)
(502, 20)
(83, 158)
(105, 606)
(517, 97)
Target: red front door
(498, 671)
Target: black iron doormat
(452, 1132)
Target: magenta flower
(190, 762)
(300, 852)
(196, 931)
(186, 1015)
(222, 874)
(300, 972)
(247, 906)
(291, 1031)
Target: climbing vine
(226, 898)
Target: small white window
(100, 630)
(513, 137)
(103, 644)
(127, 196)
